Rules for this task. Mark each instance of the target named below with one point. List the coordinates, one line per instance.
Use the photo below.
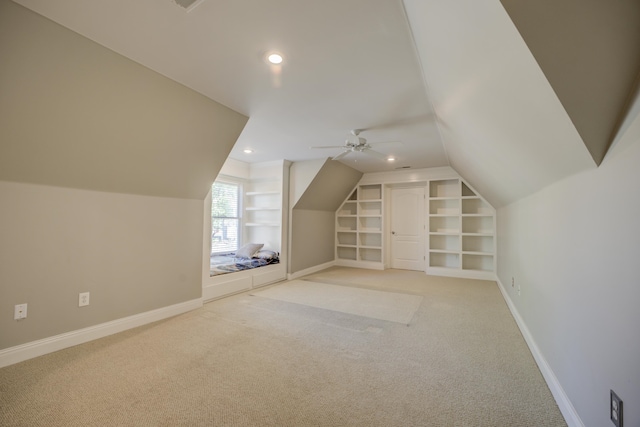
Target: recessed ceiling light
(391, 159)
(247, 151)
(274, 58)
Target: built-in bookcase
(263, 217)
(461, 231)
(359, 224)
(263, 214)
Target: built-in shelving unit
(461, 231)
(263, 212)
(359, 223)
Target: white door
(407, 228)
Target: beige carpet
(390, 306)
(252, 361)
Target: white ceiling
(348, 64)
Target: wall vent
(188, 5)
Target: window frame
(239, 186)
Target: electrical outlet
(513, 282)
(615, 409)
(83, 299)
(20, 312)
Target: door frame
(387, 219)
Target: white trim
(233, 284)
(310, 270)
(566, 407)
(371, 265)
(460, 273)
(406, 176)
(37, 348)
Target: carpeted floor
(254, 361)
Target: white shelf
(483, 244)
(359, 222)
(443, 251)
(262, 193)
(445, 198)
(477, 262)
(461, 231)
(346, 253)
(371, 192)
(348, 238)
(264, 207)
(440, 259)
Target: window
(225, 217)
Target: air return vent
(188, 5)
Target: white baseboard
(37, 348)
(566, 407)
(310, 270)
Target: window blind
(225, 217)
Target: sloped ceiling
(329, 188)
(75, 114)
(503, 127)
(590, 53)
(348, 65)
(497, 100)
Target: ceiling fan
(355, 143)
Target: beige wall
(312, 239)
(572, 249)
(317, 192)
(132, 253)
(104, 166)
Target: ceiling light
(247, 151)
(274, 58)
(391, 159)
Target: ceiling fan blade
(328, 146)
(374, 153)
(341, 155)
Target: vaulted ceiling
(513, 96)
